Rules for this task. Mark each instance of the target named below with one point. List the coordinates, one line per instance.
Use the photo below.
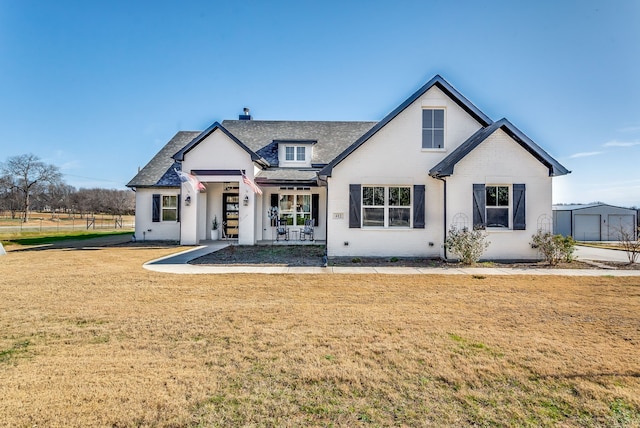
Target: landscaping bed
(312, 255)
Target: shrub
(468, 245)
(553, 248)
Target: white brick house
(387, 188)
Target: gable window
(433, 128)
(386, 206)
(169, 208)
(295, 153)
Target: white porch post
(247, 232)
(188, 215)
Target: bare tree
(120, 202)
(26, 172)
(54, 197)
(108, 201)
(629, 241)
(9, 200)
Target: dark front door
(230, 214)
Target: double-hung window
(497, 200)
(169, 208)
(386, 206)
(295, 153)
(433, 128)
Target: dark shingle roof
(445, 167)
(332, 137)
(159, 171)
(283, 175)
(260, 139)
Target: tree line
(28, 184)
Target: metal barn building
(593, 222)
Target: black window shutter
(519, 209)
(155, 208)
(418, 206)
(479, 206)
(178, 205)
(274, 203)
(355, 201)
(315, 207)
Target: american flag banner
(251, 184)
(185, 177)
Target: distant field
(44, 224)
(89, 338)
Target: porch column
(189, 215)
(247, 228)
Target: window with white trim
(169, 208)
(432, 128)
(386, 206)
(295, 153)
(497, 206)
(295, 209)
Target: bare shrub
(629, 241)
(468, 245)
(553, 248)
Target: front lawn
(90, 338)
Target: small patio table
(294, 234)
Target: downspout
(444, 222)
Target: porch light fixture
(245, 201)
(187, 200)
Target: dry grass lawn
(89, 338)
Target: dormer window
(295, 153)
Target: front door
(230, 214)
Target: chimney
(246, 115)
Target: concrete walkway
(178, 263)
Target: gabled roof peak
(445, 167)
(436, 80)
(179, 156)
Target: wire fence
(48, 224)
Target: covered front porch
(249, 218)
(227, 203)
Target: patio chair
(282, 230)
(307, 230)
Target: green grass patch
(18, 348)
(37, 238)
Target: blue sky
(98, 87)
